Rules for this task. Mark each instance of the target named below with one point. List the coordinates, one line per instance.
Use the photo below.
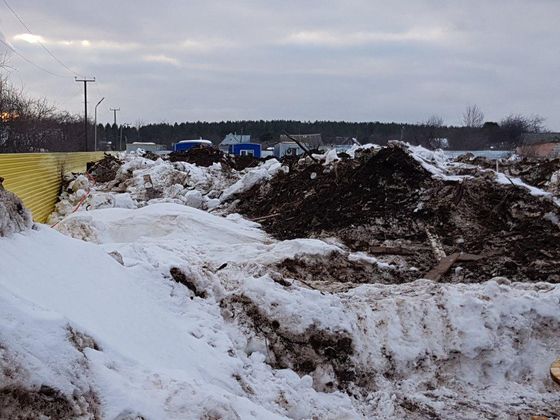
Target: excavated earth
(106, 169)
(207, 156)
(536, 172)
(387, 204)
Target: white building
(233, 138)
(287, 148)
(145, 146)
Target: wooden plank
(443, 267)
(470, 257)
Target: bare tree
(33, 125)
(515, 125)
(434, 121)
(473, 117)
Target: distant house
(233, 138)
(287, 148)
(146, 146)
(185, 145)
(341, 144)
(268, 152)
(540, 145)
(312, 141)
(245, 149)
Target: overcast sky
(308, 59)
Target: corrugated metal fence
(37, 177)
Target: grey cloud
(354, 59)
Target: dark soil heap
(389, 200)
(106, 169)
(201, 156)
(536, 172)
(207, 156)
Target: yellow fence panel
(36, 178)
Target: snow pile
(165, 181)
(360, 148)
(196, 321)
(434, 161)
(253, 177)
(162, 351)
(458, 351)
(140, 181)
(80, 195)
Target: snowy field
(166, 305)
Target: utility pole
(120, 136)
(95, 132)
(114, 114)
(115, 123)
(85, 81)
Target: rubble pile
(106, 169)
(207, 156)
(151, 155)
(541, 173)
(201, 156)
(243, 162)
(388, 204)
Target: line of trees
(474, 134)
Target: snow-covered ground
(166, 311)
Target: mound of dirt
(311, 199)
(151, 155)
(207, 156)
(533, 171)
(201, 156)
(242, 162)
(106, 169)
(389, 201)
(536, 172)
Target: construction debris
(207, 156)
(201, 156)
(106, 169)
(387, 202)
(541, 173)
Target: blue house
(245, 149)
(185, 145)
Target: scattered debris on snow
(146, 304)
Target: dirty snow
(150, 346)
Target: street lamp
(95, 131)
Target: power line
(29, 61)
(18, 17)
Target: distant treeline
(505, 135)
